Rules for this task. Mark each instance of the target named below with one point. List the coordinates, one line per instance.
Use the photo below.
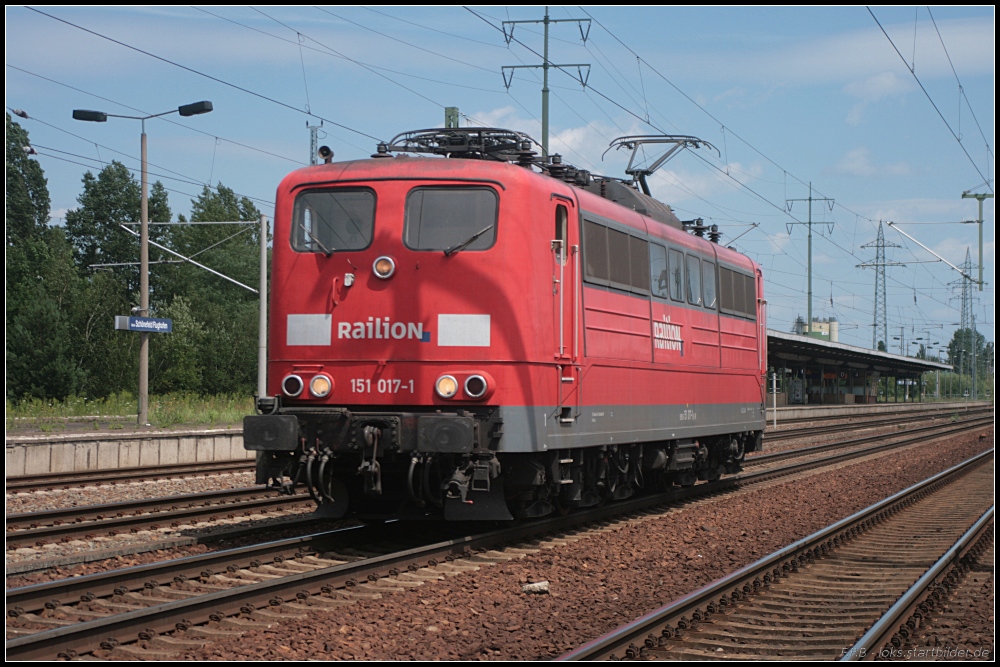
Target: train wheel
(564, 507)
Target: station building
(809, 371)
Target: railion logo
(667, 336)
(383, 329)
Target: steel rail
(628, 639)
(49, 481)
(883, 630)
(104, 584)
(761, 459)
(33, 536)
(22, 521)
(917, 408)
(790, 434)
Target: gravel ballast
(595, 583)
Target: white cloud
(583, 146)
(878, 86)
(503, 117)
(874, 89)
(737, 92)
(953, 249)
(923, 210)
(858, 162)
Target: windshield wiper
(455, 248)
(316, 240)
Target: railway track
(82, 479)
(87, 522)
(954, 620)
(763, 459)
(280, 579)
(919, 408)
(35, 529)
(816, 597)
(873, 422)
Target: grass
(119, 411)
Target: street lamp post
(101, 117)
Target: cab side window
(708, 283)
(659, 277)
(694, 280)
(676, 275)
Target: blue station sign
(147, 324)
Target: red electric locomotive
(484, 334)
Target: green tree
(110, 357)
(43, 357)
(27, 196)
(176, 363)
(41, 285)
(227, 313)
(27, 211)
(109, 199)
(966, 345)
(112, 197)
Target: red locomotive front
(443, 339)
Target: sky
(888, 114)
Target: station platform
(818, 412)
(75, 452)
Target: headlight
(384, 267)
(292, 385)
(320, 386)
(446, 386)
(476, 386)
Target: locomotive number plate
(381, 386)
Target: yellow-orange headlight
(320, 386)
(446, 386)
(384, 267)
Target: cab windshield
(327, 221)
(441, 218)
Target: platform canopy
(802, 351)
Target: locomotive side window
(330, 220)
(750, 297)
(640, 263)
(676, 275)
(725, 290)
(708, 283)
(595, 243)
(694, 280)
(621, 273)
(618, 259)
(659, 277)
(442, 218)
(739, 294)
(561, 217)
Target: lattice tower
(880, 324)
